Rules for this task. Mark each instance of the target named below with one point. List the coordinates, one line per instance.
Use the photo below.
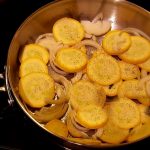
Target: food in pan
(88, 90)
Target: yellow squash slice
(145, 65)
(103, 69)
(113, 90)
(132, 90)
(68, 31)
(138, 52)
(139, 132)
(125, 113)
(71, 60)
(31, 65)
(113, 134)
(116, 42)
(83, 93)
(57, 127)
(129, 71)
(92, 116)
(34, 51)
(36, 89)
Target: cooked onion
(60, 79)
(88, 36)
(88, 43)
(59, 89)
(77, 77)
(99, 16)
(56, 69)
(73, 130)
(45, 114)
(98, 133)
(137, 32)
(94, 38)
(47, 35)
(85, 77)
(79, 127)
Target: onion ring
(79, 127)
(77, 77)
(136, 31)
(88, 43)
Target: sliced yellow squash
(31, 65)
(83, 93)
(57, 127)
(103, 69)
(113, 134)
(92, 116)
(68, 31)
(36, 89)
(34, 51)
(125, 113)
(145, 65)
(112, 90)
(139, 132)
(138, 52)
(129, 71)
(131, 89)
(116, 42)
(71, 60)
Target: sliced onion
(56, 69)
(59, 89)
(85, 77)
(79, 127)
(73, 130)
(94, 38)
(98, 133)
(136, 31)
(77, 77)
(88, 36)
(42, 36)
(60, 79)
(45, 114)
(99, 16)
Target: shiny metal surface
(121, 13)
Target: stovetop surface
(16, 130)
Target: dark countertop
(16, 130)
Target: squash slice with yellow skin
(34, 51)
(57, 127)
(31, 65)
(138, 52)
(125, 113)
(91, 116)
(68, 31)
(71, 60)
(116, 42)
(103, 69)
(36, 89)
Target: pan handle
(7, 101)
(2, 88)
